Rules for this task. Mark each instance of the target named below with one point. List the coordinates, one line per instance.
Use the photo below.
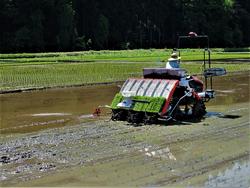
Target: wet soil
(37, 110)
(99, 152)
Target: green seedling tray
(141, 103)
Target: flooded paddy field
(49, 138)
(37, 110)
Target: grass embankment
(123, 55)
(18, 71)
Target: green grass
(152, 55)
(18, 71)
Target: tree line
(66, 25)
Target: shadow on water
(221, 115)
(230, 116)
(188, 120)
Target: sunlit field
(41, 70)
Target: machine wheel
(119, 115)
(135, 117)
(195, 111)
(198, 110)
(150, 119)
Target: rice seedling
(141, 103)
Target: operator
(173, 62)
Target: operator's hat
(174, 56)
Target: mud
(105, 153)
(236, 174)
(37, 110)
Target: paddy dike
(99, 152)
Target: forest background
(72, 25)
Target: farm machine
(167, 94)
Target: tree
(101, 32)
(7, 29)
(60, 25)
(65, 21)
(242, 19)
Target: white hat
(174, 56)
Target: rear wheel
(195, 110)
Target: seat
(164, 73)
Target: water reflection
(230, 89)
(236, 176)
(51, 108)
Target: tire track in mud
(113, 131)
(90, 144)
(205, 135)
(201, 170)
(52, 150)
(213, 134)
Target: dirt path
(114, 153)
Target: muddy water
(33, 111)
(234, 175)
(231, 89)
